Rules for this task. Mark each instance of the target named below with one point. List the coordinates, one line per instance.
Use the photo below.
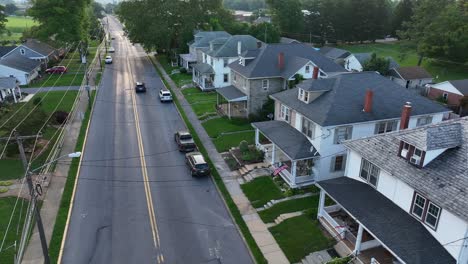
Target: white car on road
(111, 50)
(165, 96)
(108, 59)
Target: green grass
(201, 102)
(257, 254)
(58, 80)
(61, 219)
(261, 190)
(182, 78)
(215, 127)
(225, 142)
(6, 208)
(269, 215)
(166, 63)
(50, 101)
(11, 169)
(406, 55)
(16, 26)
(300, 236)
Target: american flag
(280, 169)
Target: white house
(410, 77)
(213, 71)
(9, 87)
(403, 199)
(313, 119)
(20, 67)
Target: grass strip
(259, 258)
(296, 205)
(61, 219)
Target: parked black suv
(197, 164)
(184, 141)
(140, 87)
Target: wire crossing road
(143, 207)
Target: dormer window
(405, 150)
(22, 51)
(416, 158)
(303, 95)
(242, 61)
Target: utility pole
(34, 193)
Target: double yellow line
(144, 171)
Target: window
(226, 77)
(418, 206)
(385, 127)
(338, 163)
(306, 97)
(285, 112)
(265, 84)
(369, 172)
(416, 158)
(425, 210)
(301, 94)
(308, 127)
(205, 58)
(422, 121)
(432, 215)
(234, 78)
(405, 150)
(22, 51)
(225, 62)
(445, 96)
(342, 133)
(211, 61)
(307, 69)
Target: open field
(16, 25)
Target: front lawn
(17, 25)
(182, 79)
(6, 208)
(166, 63)
(225, 142)
(300, 236)
(201, 102)
(215, 127)
(269, 215)
(261, 190)
(11, 169)
(66, 79)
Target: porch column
(273, 153)
(357, 247)
(229, 110)
(293, 170)
(321, 204)
(257, 137)
(14, 95)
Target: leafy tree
(265, 32)
(10, 9)
(109, 8)
(403, 13)
(375, 63)
(98, 9)
(287, 15)
(3, 20)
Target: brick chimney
(281, 60)
(315, 73)
(405, 116)
(368, 101)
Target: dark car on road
(56, 69)
(184, 141)
(140, 87)
(197, 164)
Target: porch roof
(395, 228)
(292, 142)
(232, 94)
(189, 57)
(203, 68)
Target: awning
(402, 234)
(292, 142)
(188, 57)
(203, 68)
(232, 94)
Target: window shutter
(349, 132)
(332, 164)
(343, 166)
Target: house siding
(257, 96)
(452, 99)
(352, 64)
(449, 228)
(22, 77)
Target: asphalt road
(129, 209)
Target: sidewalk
(45, 89)
(53, 195)
(265, 241)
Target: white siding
(220, 70)
(352, 64)
(447, 86)
(20, 75)
(306, 75)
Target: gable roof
(363, 57)
(346, 95)
(228, 46)
(39, 47)
(461, 85)
(21, 63)
(7, 82)
(285, 40)
(5, 50)
(393, 63)
(444, 180)
(203, 38)
(334, 53)
(265, 63)
(412, 73)
(436, 137)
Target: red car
(56, 69)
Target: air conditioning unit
(415, 160)
(404, 153)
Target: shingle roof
(38, 46)
(334, 53)
(363, 57)
(265, 63)
(432, 138)
(461, 85)
(20, 62)
(5, 49)
(444, 180)
(229, 45)
(393, 63)
(7, 82)
(207, 36)
(285, 40)
(413, 72)
(203, 68)
(231, 93)
(395, 228)
(344, 102)
(292, 142)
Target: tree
(3, 20)
(287, 15)
(266, 32)
(375, 63)
(109, 8)
(98, 9)
(10, 9)
(403, 13)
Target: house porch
(231, 102)
(203, 76)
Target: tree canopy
(246, 5)
(10, 9)
(378, 64)
(3, 19)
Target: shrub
(183, 70)
(344, 260)
(244, 146)
(252, 155)
(6, 183)
(60, 117)
(3, 189)
(37, 101)
(288, 192)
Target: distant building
(452, 92)
(262, 19)
(410, 77)
(243, 16)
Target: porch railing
(341, 230)
(374, 261)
